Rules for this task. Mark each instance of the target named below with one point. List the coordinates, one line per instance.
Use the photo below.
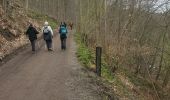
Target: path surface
(46, 75)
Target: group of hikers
(48, 35)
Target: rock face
(12, 30)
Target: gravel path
(46, 75)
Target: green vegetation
(83, 53)
(87, 58)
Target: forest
(134, 34)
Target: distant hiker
(63, 36)
(71, 25)
(65, 25)
(32, 34)
(48, 35)
(61, 24)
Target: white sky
(163, 8)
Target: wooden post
(98, 60)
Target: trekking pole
(38, 44)
(45, 45)
(53, 45)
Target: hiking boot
(50, 49)
(64, 48)
(33, 52)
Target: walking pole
(53, 44)
(38, 44)
(45, 46)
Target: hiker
(32, 34)
(48, 35)
(61, 24)
(63, 36)
(71, 25)
(65, 25)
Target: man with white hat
(48, 35)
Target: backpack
(47, 34)
(63, 30)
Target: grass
(83, 53)
(87, 57)
(106, 73)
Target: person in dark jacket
(32, 34)
(65, 24)
(61, 24)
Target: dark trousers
(49, 44)
(33, 44)
(63, 43)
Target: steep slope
(12, 29)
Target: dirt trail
(46, 75)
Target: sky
(163, 8)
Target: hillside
(13, 28)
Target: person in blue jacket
(63, 36)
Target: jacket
(49, 28)
(32, 33)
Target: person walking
(63, 36)
(71, 25)
(32, 34)
(62, 23)
(65, 25)
(48, 35)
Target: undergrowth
(83, 53)
(87, 58)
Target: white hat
(46, 23)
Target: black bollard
(98, 60)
